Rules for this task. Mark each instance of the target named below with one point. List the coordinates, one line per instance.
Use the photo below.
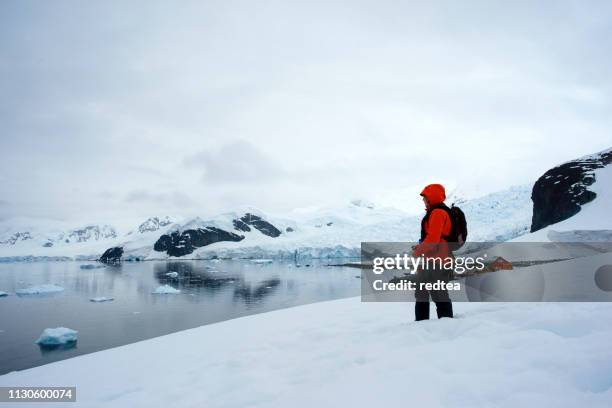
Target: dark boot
(421, 310)
(444, 309)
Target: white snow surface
(347, 353)
(39, 289)
(56, 336)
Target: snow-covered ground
(352, 354)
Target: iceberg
(166, 290)
(101, 299)
(57, 336)
(91, 266)
(39, 289)
(262, 261)
(3, 294)
(172, 274)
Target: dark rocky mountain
(112, 255)
(560, 192)
(183, 243)
(250, 220)
(180, 243)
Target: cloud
(238, 162)
(216, 104)
(164, 198)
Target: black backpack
(458, 233)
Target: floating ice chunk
(3, 294)
(91, 266)
(101, 299)
(172, 274)
(262, 261)
(39, 289)
(57, 336)
(166, 290)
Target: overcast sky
(131, 109)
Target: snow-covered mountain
(570, 202)
(89, 233)
(562, 191)
(153, 224)
(15, 237)
(32, 238)
(250, 233)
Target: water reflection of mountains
(189, 276)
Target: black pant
(444, 307)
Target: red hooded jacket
(437, 225)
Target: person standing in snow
(435, 226)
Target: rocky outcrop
(240, 225)
(256, 222)
(183, 243)
(112, 255)
(560, 192)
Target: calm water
(211, 292)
